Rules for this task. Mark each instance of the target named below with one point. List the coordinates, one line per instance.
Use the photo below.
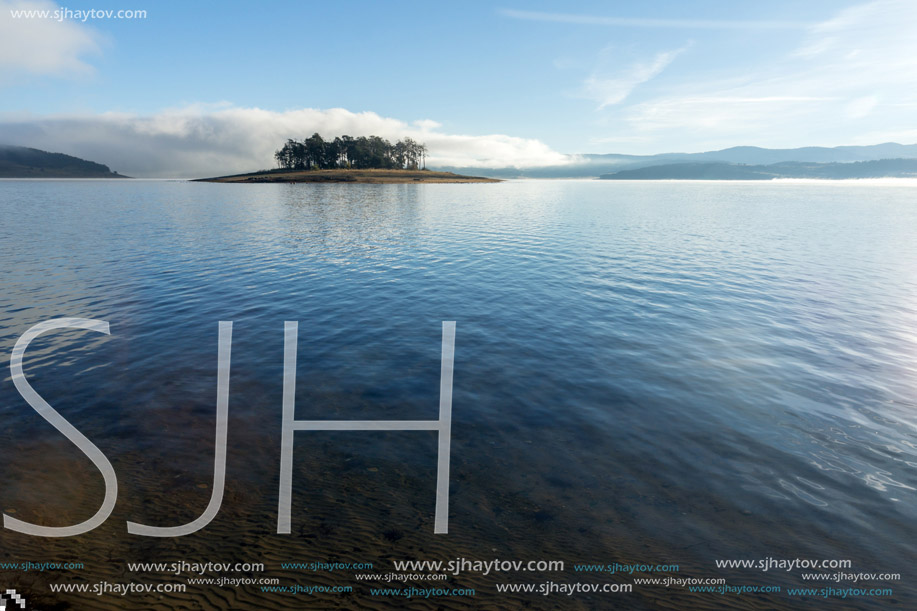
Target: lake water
(649, 372)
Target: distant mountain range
(588, 166)
(22, 162)
(883, 168)
(736, 163)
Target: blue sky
(483, 83)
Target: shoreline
(349, 176)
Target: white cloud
(855, 73)
(827, 35)
(34, 45)
(207, 140)
(639, 22)
(609, 90)
(723, 113)
(861, 107)
(427, 124)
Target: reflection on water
(652, 372)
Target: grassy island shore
(350, 176)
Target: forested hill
(883, 168)
(22, 162)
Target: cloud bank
(202, 140)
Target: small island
(347, 159)
(349, 176)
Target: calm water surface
(657, 372)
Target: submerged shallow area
(660, 373)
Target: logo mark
(9, 597)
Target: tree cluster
(361, 153)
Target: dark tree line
(362, 153)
